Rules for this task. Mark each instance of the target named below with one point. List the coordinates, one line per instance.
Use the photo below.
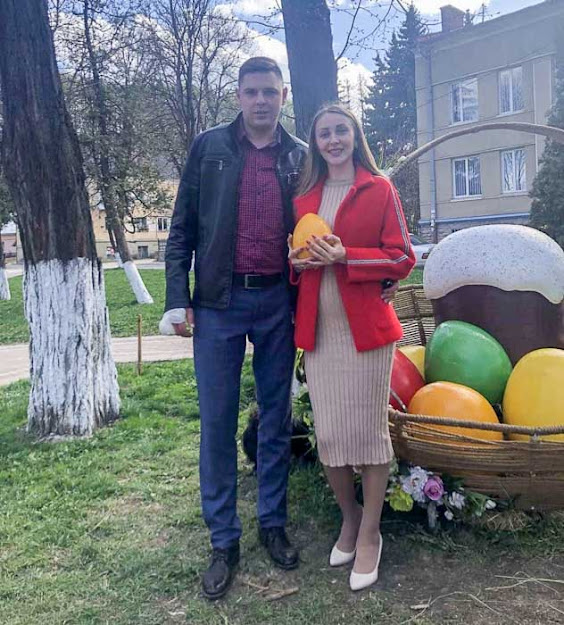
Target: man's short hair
(259, 64)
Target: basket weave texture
(529, 472)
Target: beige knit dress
(349, 390)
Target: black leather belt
(256, 280)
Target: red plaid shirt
(261, 238)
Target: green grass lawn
(415, 277)
(122, 305)
(109, 530)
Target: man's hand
(185, 329)
(389, 293)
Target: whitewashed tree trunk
(73, 378)
(4, 285)
(136, 282)
(74, 386)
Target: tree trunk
(106, 188)
(134, 278)
(313, 70)
(4, 284)
(73, 377)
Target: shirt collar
(242, 135)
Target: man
(234, 211)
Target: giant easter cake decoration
(506, 279)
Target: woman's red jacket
(372, 228)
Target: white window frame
(467, 195)
(511, 73)
(515, 190)
(160, 221)
(140, 224)
(456, 93)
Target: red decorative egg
(406, 381)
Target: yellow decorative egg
(534, 396)
(310, 224)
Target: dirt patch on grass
(473, 586)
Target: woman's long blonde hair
(315, 167)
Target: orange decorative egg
(310, 224)
(455, 401)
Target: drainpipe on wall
(431, 127)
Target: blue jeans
(264, 315)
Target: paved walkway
(14, 359)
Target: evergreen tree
(547, 209)
(391, 115)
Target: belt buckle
(247, 285)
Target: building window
(162, 224)
(140, 224)
(514, 171)
(467, 178)
(465, 101)
(511, 90)
(142, 251)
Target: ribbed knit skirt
(349, 390)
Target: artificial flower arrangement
(441, 496)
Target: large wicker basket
(530, 473)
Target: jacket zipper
(280, 177)
(236, 211)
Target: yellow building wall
(142, 244)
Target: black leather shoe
(279, 548)
(221, 571)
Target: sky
(360, 61)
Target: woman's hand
(328, 250)
(300, 264)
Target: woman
(346, 328)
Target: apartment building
(470, 74)
(9, 238)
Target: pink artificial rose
(434, 488)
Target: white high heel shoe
(338, 557)
(358, 581)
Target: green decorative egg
(465, 354)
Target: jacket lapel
(310, 201)
(362, 179)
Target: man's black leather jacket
(205, 215)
